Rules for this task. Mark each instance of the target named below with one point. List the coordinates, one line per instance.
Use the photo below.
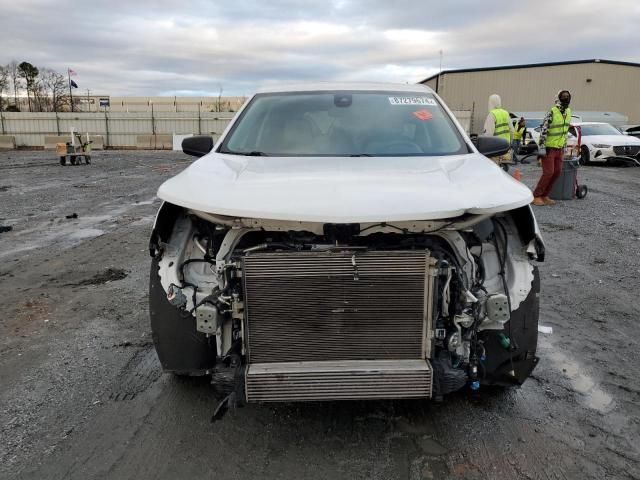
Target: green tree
(30, 74)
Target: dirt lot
(82, 395)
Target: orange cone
(517, 174)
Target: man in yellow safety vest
(498, 124)
(553, 138)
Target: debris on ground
(73, 215)
(109, 275)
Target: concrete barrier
(144, 142)
(97, 142)
(7, 142)
(50, 141)
(164, 142)
(154, 142)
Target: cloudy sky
(171, 47)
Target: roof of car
(332, 86)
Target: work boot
(538, 202)
(548, 201)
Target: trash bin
(565, 186)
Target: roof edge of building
(531, 65)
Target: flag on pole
(72, 73)
(73, 84)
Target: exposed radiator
(347, 380)
(327, 306)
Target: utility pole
(439, 73)
(70, 94)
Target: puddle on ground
(145, 202)
(143, 221)
(589, 393)
(65, 232)
(85, 233)
(431, 447)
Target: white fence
(119, 130)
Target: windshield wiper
(254, 153)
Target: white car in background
(602, 142)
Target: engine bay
(481, 273)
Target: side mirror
(198, 145)
(492, 146)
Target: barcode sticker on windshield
(412, 101)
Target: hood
(494, 101)
(611, 139)
(345, 190)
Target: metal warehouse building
(596, 85)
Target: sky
(204, 47)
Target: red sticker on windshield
(423, 115)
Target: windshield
(599, 129)
(344, 123)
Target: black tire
(581, 191)
(181, 349)
(63, 161)
(87, 159)
(521, 358)
(585, 156)
(72, 159)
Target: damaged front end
(299, 311)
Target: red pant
(551, 169)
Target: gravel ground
(82, 395)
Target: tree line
(46, 89)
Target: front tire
(585, 156)
(511, 367)
(181, 349)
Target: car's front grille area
(325, 306)
(627, 150)
(346, 380)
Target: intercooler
(338, 324)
